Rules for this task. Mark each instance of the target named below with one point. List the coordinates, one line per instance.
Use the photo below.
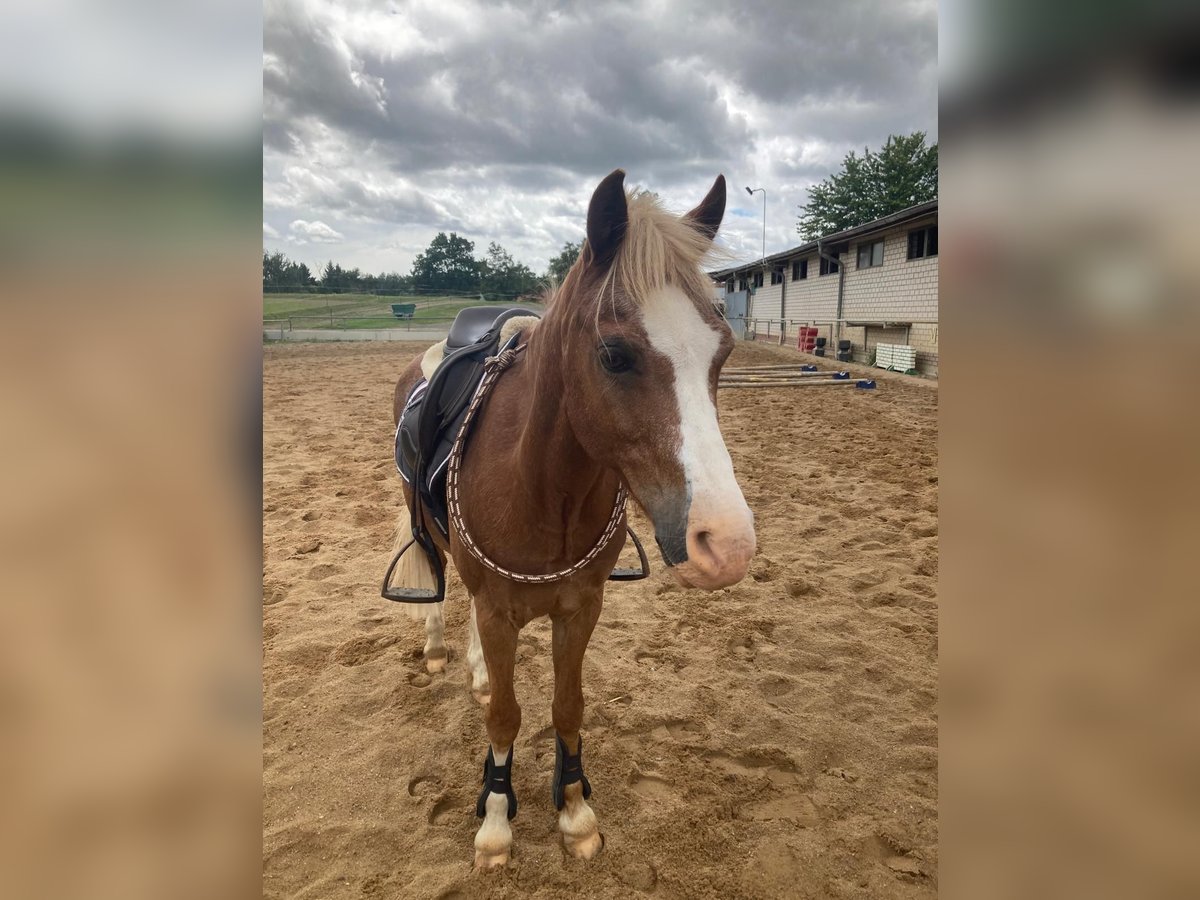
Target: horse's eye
(615, 358)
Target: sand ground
(775, 739)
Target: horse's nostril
(704, 545)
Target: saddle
(433, 415)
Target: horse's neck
(556, 473)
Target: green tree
(280, 273)
(903, 173)
(299, 274)
(502, 277)
(336, 280)
(561, 264)
(274, 265)
(447, 265)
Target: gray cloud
(497, 120)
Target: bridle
(494, 367)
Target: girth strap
(568, 769)
(497, 779)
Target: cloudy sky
(387, 122)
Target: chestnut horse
(615, 385)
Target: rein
(494, 367)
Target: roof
(896, 218)
(840, 237)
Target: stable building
(873, 284)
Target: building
(873, 284)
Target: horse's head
(645, 346)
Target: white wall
(900, 290)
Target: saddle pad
(433, 414)
(433, 486)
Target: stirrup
(416, 595)
(633, 574)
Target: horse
(613, 390)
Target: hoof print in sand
(443, 812)
(360, 650)
(773, 686)
(637, 874)
(421, 785)
(650, 786)
(677, 729)
(419, 679)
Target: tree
(447, 265)
(274, 265)
(280, 273)
(336, 280)
(903, 173)
(561, 264)
(501, 275)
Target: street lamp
(764, 241)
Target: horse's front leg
(576, 820)
(497, 802)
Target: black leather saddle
(434, 410)
(433, 414)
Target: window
(870, 255)
(800, 270)
(729, 286)
(923, 242)
(758, 279)
(827, 267)
(741, 284)
(777, 276)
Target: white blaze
(677, 331)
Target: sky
(384, 123)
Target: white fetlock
(493, 840)
(578, 824)
(435, 651)
(435, 659)
(480, 687)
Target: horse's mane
(659, 249)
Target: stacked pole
(788, 375)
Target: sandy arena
(774, 739)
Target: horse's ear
(607, 218)
(706, 218)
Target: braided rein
(493, 367)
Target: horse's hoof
(482, 697)
(435, 665)
(586, 847)
(489, 862)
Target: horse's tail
(413, 570)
